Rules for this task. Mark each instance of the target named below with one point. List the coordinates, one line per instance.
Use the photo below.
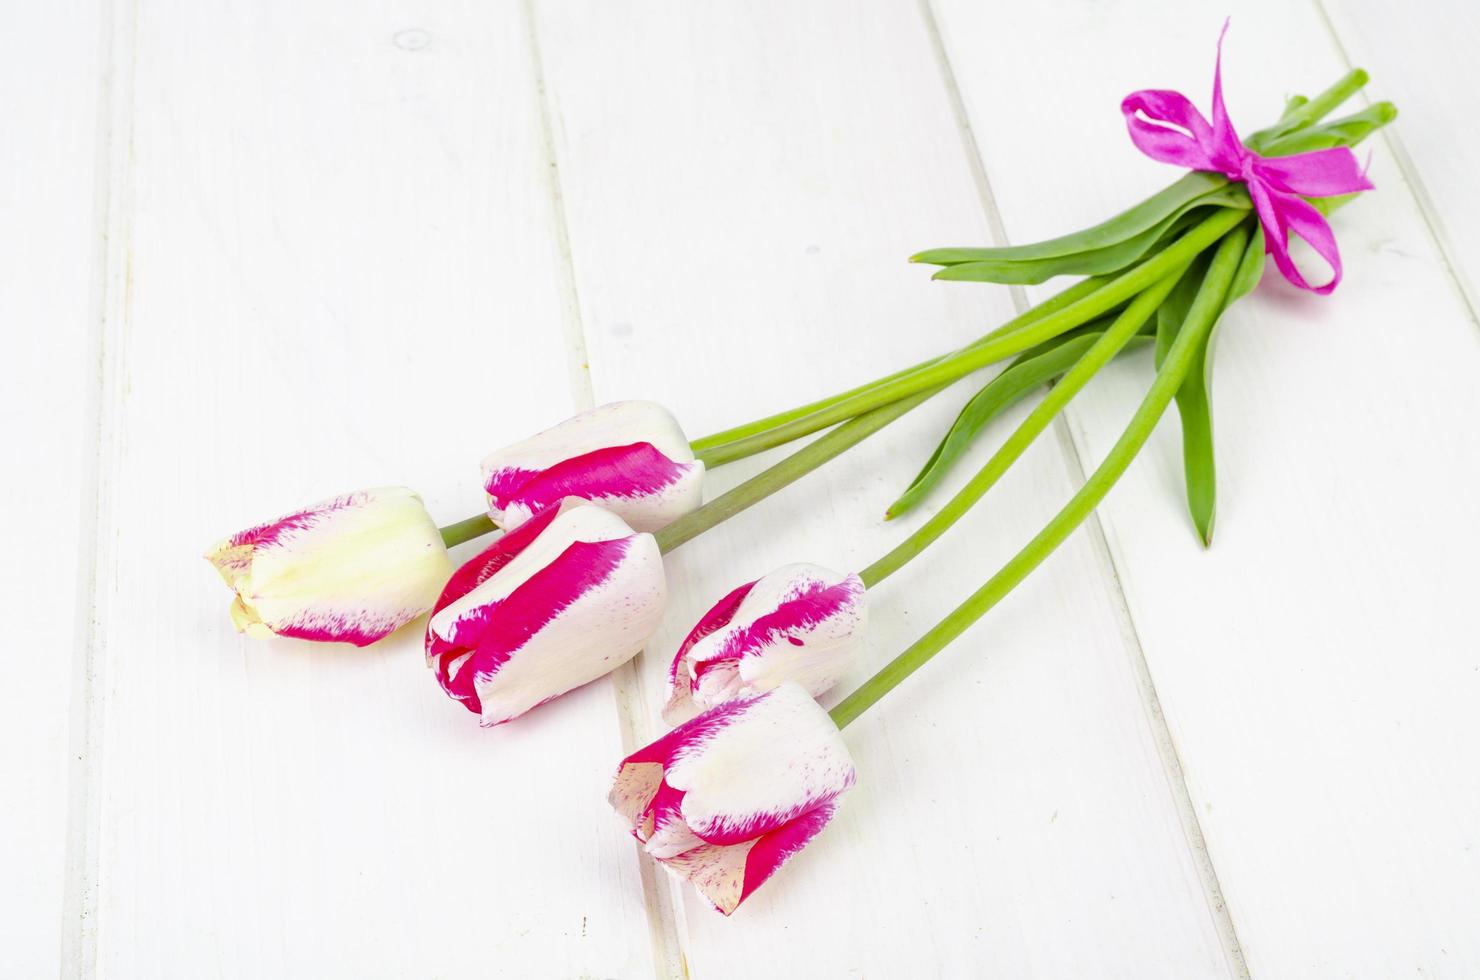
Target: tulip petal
(630, 457)
(352, 569)
(717, 871)
(503, 550)
(640, 776)
(727, 875)
(572, 596)
(747, 779)
(633, 791)
(799, 623)
(681, 705)
(579, 619)
(669, 836)
(776, 848)
(645, 487)
(726, 798)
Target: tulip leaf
(1194, 397)
(1095, 262)
(1250, 270)
(1288, 123)
(1145, 216)
(1174, 308)
(1346, 131)
(1196, 410)
(1192, 401)
(1029, 371)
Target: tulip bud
(629, 457)
(569, 595)
(799, 623)
(351, 569)
(724, 799)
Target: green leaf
(1250, 270)
(1194, 397)
(1196, 410)
(1145, 216)
(1094, 326)
(1096, 262)
(1173, 310)
(1031, 370)
(1346, 131)
(1099, 262)
(1290, 120)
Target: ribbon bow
(1173, 131)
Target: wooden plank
(1425, 64)
(343, 271)
(743, 183)
(51, 72)
(1318, 667)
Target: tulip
(725, 798)
(569, 595)
(351, 569)
(799, 623)
(630, 457)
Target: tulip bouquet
(574, 585)
(728, 795)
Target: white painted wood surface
(1427, 64)
(53, 74)
(256, 255)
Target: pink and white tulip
(352, 569)
(568, 596)
(726, 798)
(630, 457)
(800, 623)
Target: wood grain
(1425, 64)
(51, 70)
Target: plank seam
(573, 325)
(113, 158)
(1408, 170)
(1073, 455)
(627, 693)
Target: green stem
(1178, 362)
(702, 447)
(1301, 113)
(1298, 114)
(997, 347)
(466, 530)
(1322, 105)
(754, 490)
(788, 471)
(1117, 336)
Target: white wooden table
(258, 253)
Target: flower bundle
(574, 585)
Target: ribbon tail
(1225, 142)
(1281, 214)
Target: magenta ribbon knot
(1166, 126)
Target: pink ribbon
(1173, 131)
